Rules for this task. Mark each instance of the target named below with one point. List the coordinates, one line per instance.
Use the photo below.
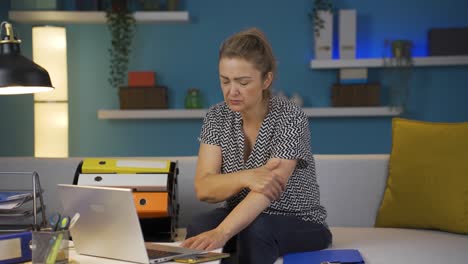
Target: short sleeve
(210, 130)
(292, 139)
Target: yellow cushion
(427, 185)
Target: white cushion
(394, 245)
(351, 187)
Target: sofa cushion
(396, 245)
(427, 185)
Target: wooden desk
(76, 258)
(82, 259)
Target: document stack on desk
(154, 185)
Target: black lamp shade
(17, 71)
(19, 75)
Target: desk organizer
(16, 210)
(50, 246)
(154, 185)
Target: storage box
(323, 41)
(448, 41)
(353, 76)
(34, 5)
(355, 94)
(141, 78)
(347, 33)
(151, 97)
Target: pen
(54, 221)
(52, 254)
(74, 220)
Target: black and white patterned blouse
(283, 134)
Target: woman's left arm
(242, 215)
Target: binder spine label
(10, 248)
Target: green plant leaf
(121, 27)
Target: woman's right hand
(265, 180)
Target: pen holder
(48, 247)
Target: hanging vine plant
(320, 5)
(121, 25)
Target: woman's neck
(257, 114)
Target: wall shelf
(152, 114)
(378, 63)
(93, 17)
(200, 113)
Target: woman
(255, 155)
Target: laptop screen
(108, 225)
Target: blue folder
(349, 256)
(19, 242)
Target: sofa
(351, 189)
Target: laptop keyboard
(155, 254)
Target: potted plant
(401, 52)
(322, 20)
(320, 6)
(121, 25)
(398, 65)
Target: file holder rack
(164, 229)
(157, 228)
(19, 213)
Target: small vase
(297, 99)
(401, 51)
(193, 99)
(151, 5)
(172, 5)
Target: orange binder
(151, 204)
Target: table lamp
(19, 75)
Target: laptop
(108, 226)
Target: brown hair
(253, 46)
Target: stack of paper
(12, 200)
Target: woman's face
(242, 84)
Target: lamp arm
(9, 34)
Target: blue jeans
(266, 238)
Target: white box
(138, 181)
(353, 76)
(347, 34)
(353, 73)
(323, 41)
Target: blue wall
(185, 56)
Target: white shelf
(93, 17)
(378, 63)
(152, 114)
(352, 111)
(200, 113)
